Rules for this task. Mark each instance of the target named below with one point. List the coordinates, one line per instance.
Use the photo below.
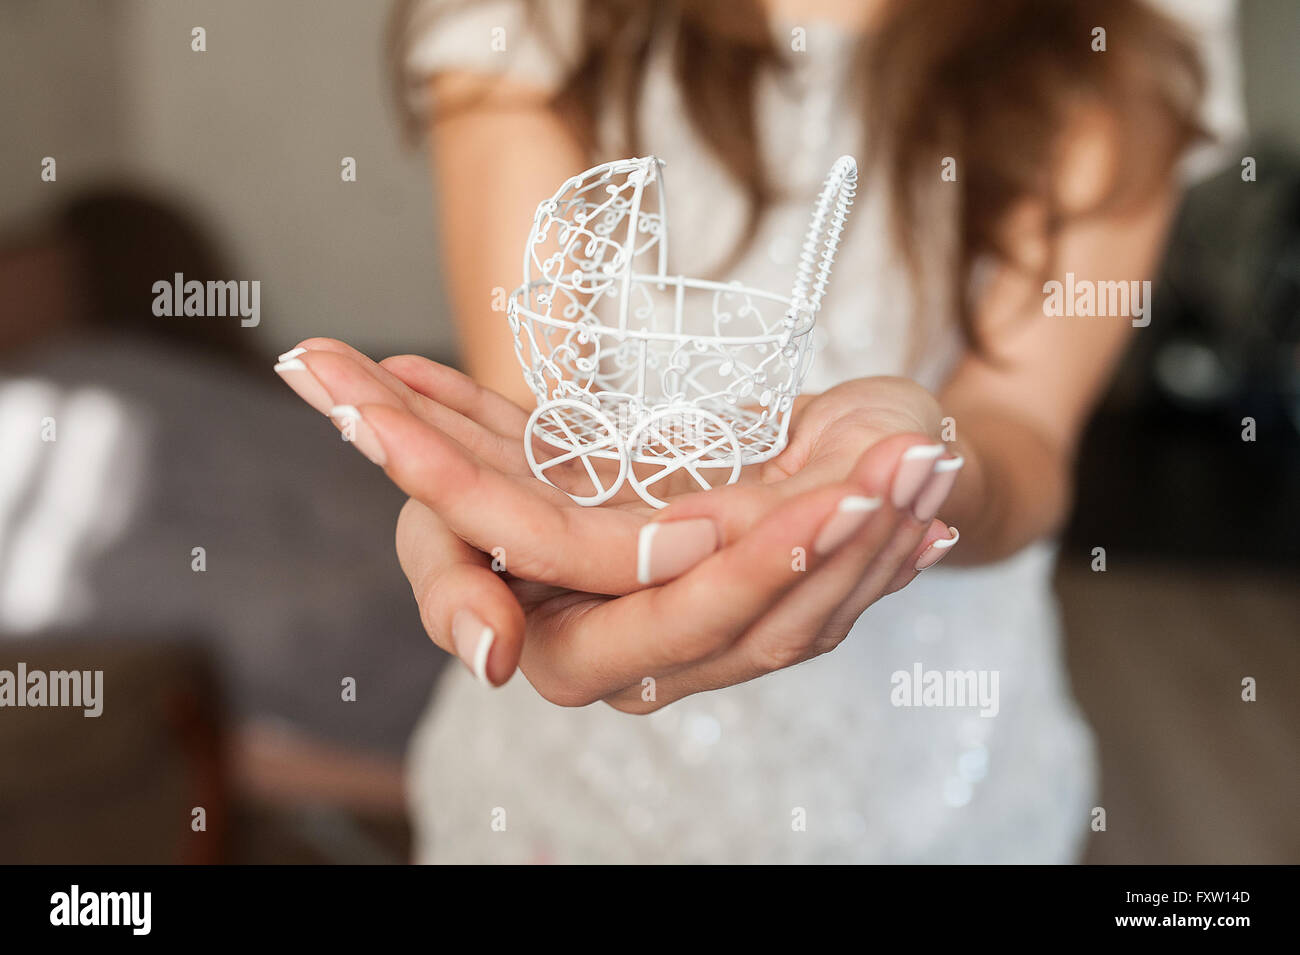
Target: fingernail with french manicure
(914, 471)
(851, 513)
(938, 550)
(358, 433)
(473, 641)
(299, 377)
(936, 490)
(668, 548)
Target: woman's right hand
(745, 580)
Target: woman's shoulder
(530, 41)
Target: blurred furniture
(120, 787)
(1163, 469)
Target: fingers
(460, 393)
(934, 547)
(433, 380)
(881, 556)
(466, 608)
(730, 510)
(928, 499)
(342, 377)
(540, 534)
(582, 657)
(470, 475)
(545, 538)
(318, 345)
(733, 510)
(331, 374)
(824, 609)
(463, 470)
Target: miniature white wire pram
(646, 392)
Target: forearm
(1013, 490)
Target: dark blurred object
(1166, 468)
(122, 241)
(120, 787)
(1228, 331)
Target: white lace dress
(814, 763)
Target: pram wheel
(574, 431)
(683, 438)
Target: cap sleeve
(532, 42)
(1213, 27)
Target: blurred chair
(121, 787)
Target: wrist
(1013, 488)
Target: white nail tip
(643, 552)
(945, 543)
(922, 451)
(347, 412)
(857, 504)
(949, 464)
(292, 353)
(485, 641)
(293, 364)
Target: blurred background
(265, 656)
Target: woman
(1003, 144)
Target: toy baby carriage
(690, 378)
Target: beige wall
(1270, 32)
(256, 127)
(250, 135)
(55, 101)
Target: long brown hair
(991, 84)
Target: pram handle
(823, 236)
